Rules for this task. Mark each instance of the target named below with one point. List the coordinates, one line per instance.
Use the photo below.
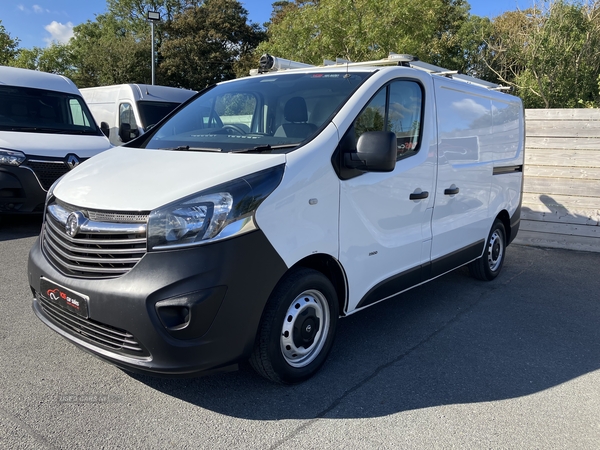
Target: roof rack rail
(269, 63)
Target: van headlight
(11, 157)
(223, 211)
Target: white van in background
(46, 129)
(125, 111)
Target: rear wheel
(297, 328)
(489, 265)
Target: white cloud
(39, 10)
(59, 32)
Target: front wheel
(297, 328)
(488, 266)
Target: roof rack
(269, 63)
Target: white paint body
(367, 224)
(104, 102)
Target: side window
(404, 116)
(77, 113)
(126, 116)
(372, 118)
(396, 107)
(128, 128)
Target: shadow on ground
(19, 226)
(455, 340)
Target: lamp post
(153, 16)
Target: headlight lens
(11, 157)
(200, 217)
(224, 211)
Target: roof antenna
(347, 74)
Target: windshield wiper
(52, 130)
(185, 148)
(38, 129)
(264, 148)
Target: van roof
(13, 76)
(270, 64)
(147, 92)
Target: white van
(243, 226)
(46, 129)
(125, 111)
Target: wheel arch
(333, 270)
(505, 219)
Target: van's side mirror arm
(105, 128)
(126, 133)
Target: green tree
(57, 58)
(549, 53)
(208, 43)
(311, 31)
(106, 51)
(136, 11)
(8, 46)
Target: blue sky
(39, 22)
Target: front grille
(90, 330)
(101, 249)
(47, 172)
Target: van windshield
(258, 113)
(41, 111)
(153, 112)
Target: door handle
(419, 195)
(451, 191)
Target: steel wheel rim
(309, 309)
(495, 251)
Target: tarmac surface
(512, 363)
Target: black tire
(297, 328)
(489, 265)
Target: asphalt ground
(456, 363)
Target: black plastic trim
(456, 259)
(27, 195)
(392, 286)
(243, 270)
(403, 281)
(515, 222)
(501, 170)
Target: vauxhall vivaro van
(243, 226)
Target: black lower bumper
(20, 191)
(221, 287)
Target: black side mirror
(126, 133)
(375, 152)
(105, 128)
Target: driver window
(404, 116)
(127, 116)
(372, 117)
(396, 107)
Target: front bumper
(20, 191)
(227, 283)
